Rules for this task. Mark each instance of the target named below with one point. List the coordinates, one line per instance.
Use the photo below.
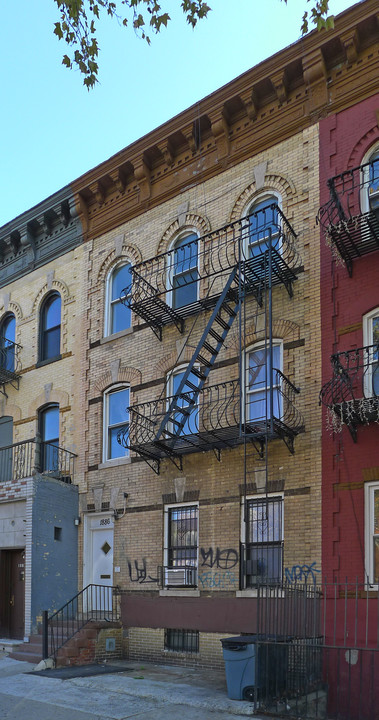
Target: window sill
(115, 462)
(122, 333)
(41, 363)
(253, 592)
(179, 592)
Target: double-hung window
(264, 541)
(370, 182)
(371, 360)
(184, 271)
(263, 386)
(372, 532)
(264, 225)
(7, 343)
(49, 432)
(116, 402)
(188, 408)
(50, 327)
(181, 552)
(118, 314)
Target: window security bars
(182, 547)
(206, 262)
(262, 554)
(351, 395)
(216, 423)
(94, 602)
(350, 218)
(182, 641)
(21, 459)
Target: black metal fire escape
(200, 416)
(10, 365)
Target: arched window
(116, 402)
(371, 344)
(259, 379)
(191, 425)
(7, 343)
(49, 431)
(184, 270)
(50, 327)
(118, 315)
(370, 181)
(264, 222)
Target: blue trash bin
(240, 657)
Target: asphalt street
(139, 691)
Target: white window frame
(259, 497)
(365, 195)
(368, 340)
(370, 489)
(269, 195)
(248, 393)
(110, 303)
(187, 232)
(170, 389)
(106, 425)
(167, 508)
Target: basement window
(182, 641)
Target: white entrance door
(101, 539)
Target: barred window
(264, 541)
(182, 640)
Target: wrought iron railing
(353, 391)
(10, 364)
(155, 282)
(218, 417)
(350, 218)
(22, 459)
(94, 602)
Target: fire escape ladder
(201, 362)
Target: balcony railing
(169, 287)
(215, 420)
(353, 391)
(10, 365)
(350, 218)
(23, 459)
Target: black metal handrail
(10, 363)
(94, 602)
(21, 460)
(352, 393)
(355, 376)
(219, 418)
(154, 281)
(350, 218)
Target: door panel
(12, 593)
(102, 566)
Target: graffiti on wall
(301, 573)
(138, 572)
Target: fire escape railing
(352, 393)
(23, 459)
(154, 281)
(350, 219)
(217, 419)
(10, 364)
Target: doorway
(100, 541)
(12, 593)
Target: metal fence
(22, 459)
(316, 652)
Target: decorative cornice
(39, 235)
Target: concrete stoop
(28, 651)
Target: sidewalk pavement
(136, 690)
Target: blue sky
(53, 130)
